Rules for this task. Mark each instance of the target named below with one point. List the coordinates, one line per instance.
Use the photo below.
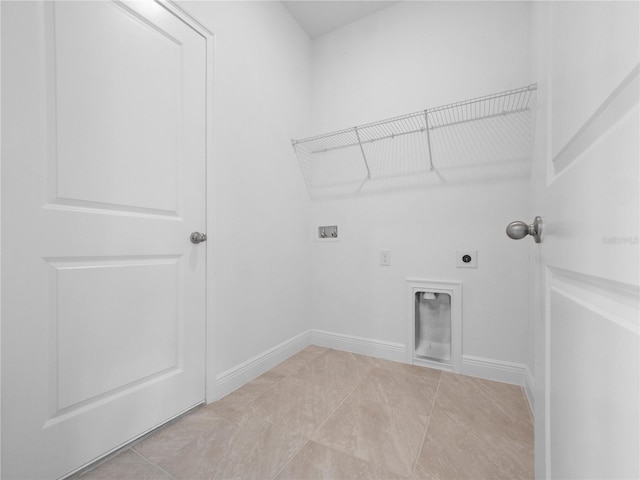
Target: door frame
(208, 35)
(210, 207)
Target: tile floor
(328, 414)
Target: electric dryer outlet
(467, 259)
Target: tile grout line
(290, 375)
(306, 364)
(242, 409)
(244, 405)
(322, 424)
(290, 459)
(274, 384)
(153, 463)
(279, 426)
(343, 400)
(223, 419)
(307, 440)
(426, 430)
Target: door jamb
(210, 324)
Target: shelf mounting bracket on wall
(364, 157)
(426, 122)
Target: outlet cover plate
(466, 259)
(385, 258)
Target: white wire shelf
(329, 158)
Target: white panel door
(587, 399)
(103, 180)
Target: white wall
(262, 68)
(404, 58)
(271, 83)
(415, 55)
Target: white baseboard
(228, 381)
(363, 346)
(529, 388)
(500, 371)
(235, 377)
(506, 372)
(424, 362)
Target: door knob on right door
(518, 230)
(197, 237)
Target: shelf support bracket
(426, 122)
(364, 157)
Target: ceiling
(320, 17)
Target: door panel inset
(586, 348)
(108, 153)
(115, 323)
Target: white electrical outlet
(466, 258)
(385, 258)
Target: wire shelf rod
(364, 142)
(497, 104)
(499, 114)
(422, 129)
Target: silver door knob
(518, 230)
(197, 237)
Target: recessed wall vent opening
(435, 324)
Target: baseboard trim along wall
(529, 388)
(500, 371)
(363, 346)
(228, 381)
(237, 376)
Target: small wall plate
(327, 233)
(466, 258)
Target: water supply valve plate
(327, 233)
